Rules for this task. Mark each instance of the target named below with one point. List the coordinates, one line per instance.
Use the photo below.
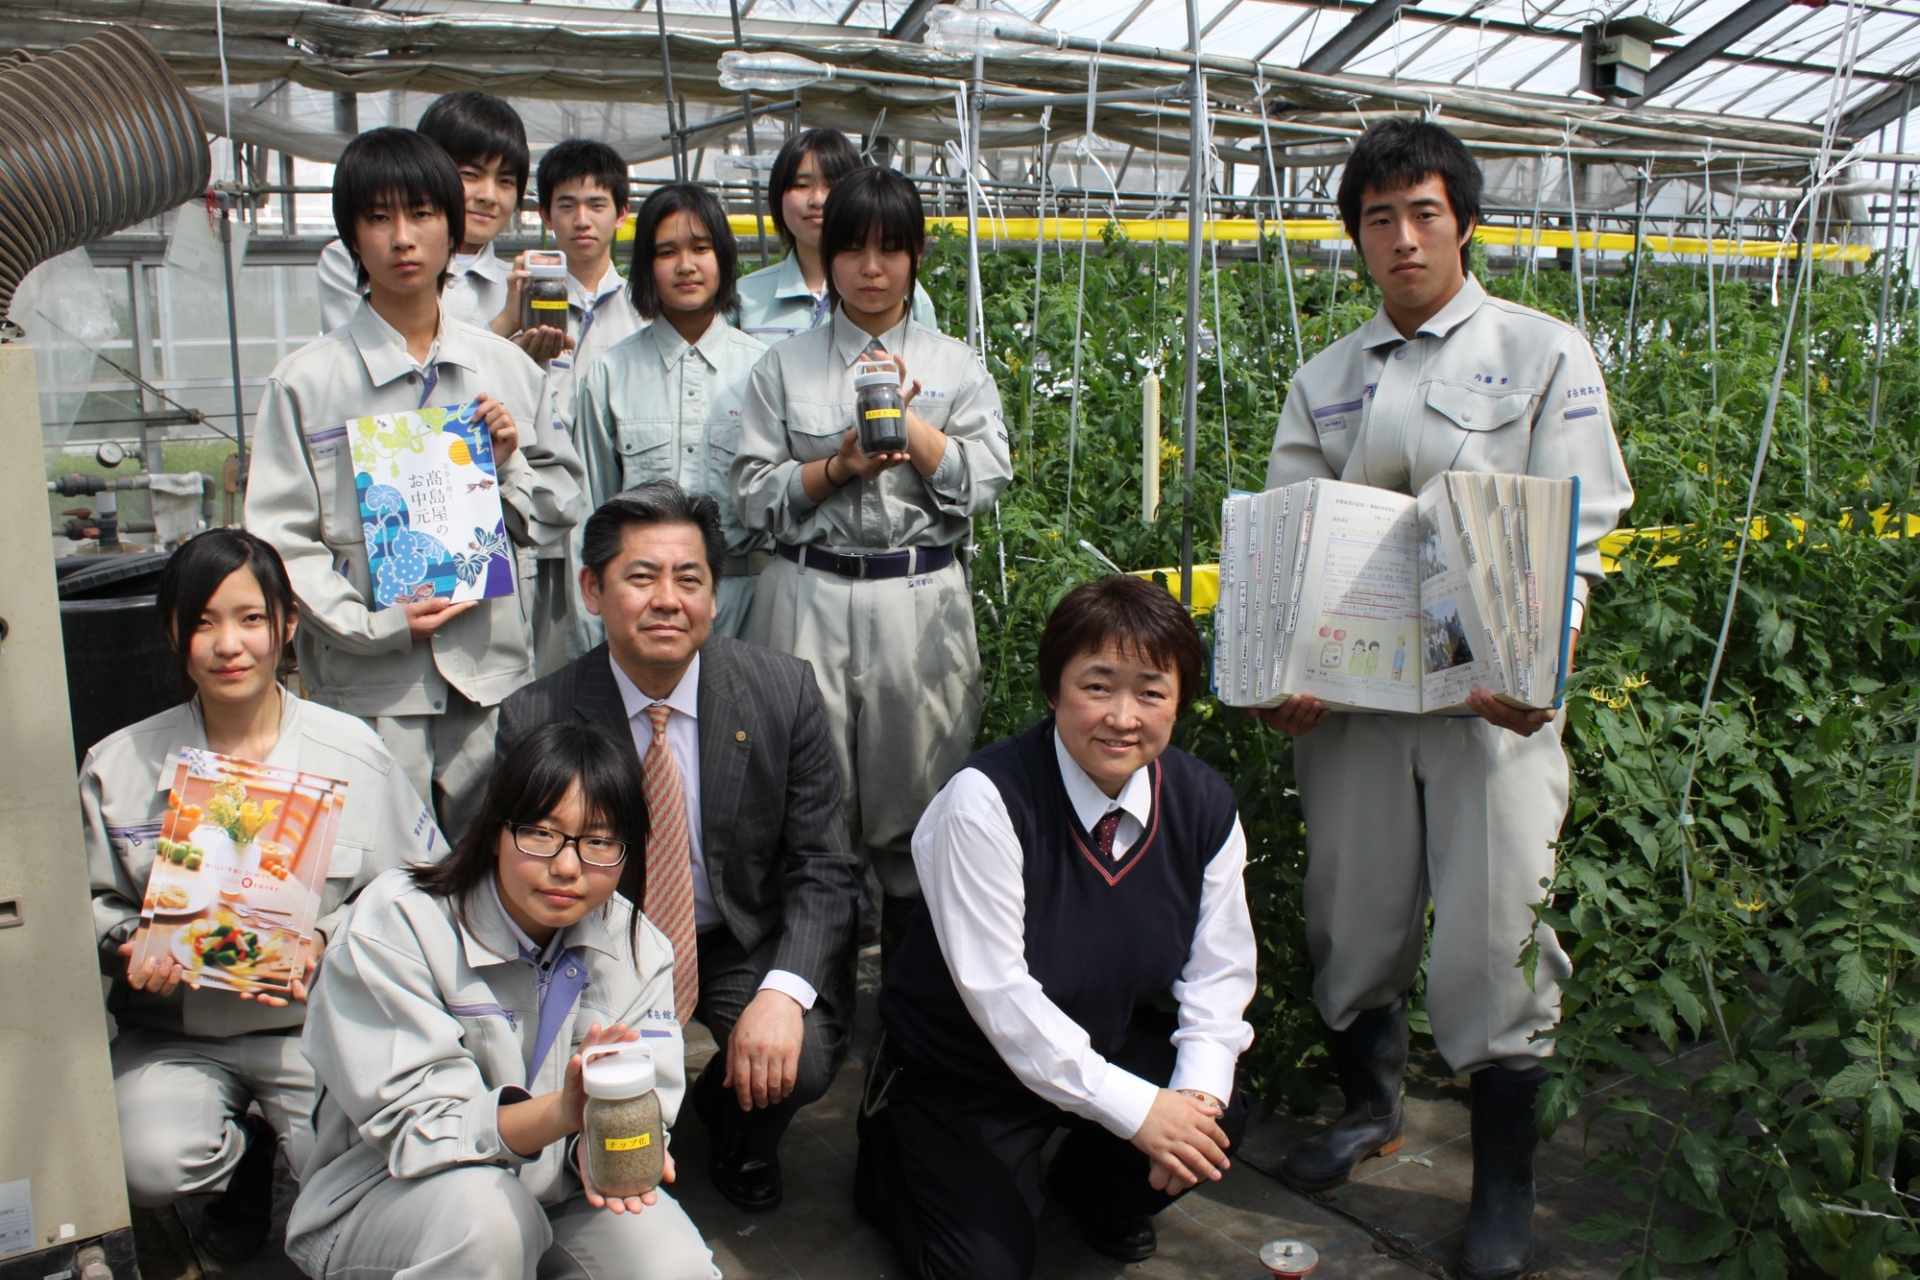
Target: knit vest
(1104, 935)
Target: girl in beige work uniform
(188, 1064)
(867, 585)
(446, 1035)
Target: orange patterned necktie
(670, 864)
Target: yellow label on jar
(882, 413)
(547, 306)
(630, 1144)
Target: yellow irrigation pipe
(1206, 577)
(1245, 230)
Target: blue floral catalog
(430, 504)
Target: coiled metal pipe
(93, 138)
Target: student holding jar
(867, 585)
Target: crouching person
(447, 1033)
(1082, 960)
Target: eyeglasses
(545, 842)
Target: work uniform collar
(673, 348)
(850, 341)
(487, 936)
(1380, 331)
(1090, 803)
(789, 281)
(488, 265)
(384, 351)
(587, 299)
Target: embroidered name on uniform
(1488, 380)
(1585, 393)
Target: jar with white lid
(623, 1146)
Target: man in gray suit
(749, 869)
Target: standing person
(868, 586)
(1462, 810)
(488, 144)
(665, 403)
(447, 1035)
(755, 886)
(1077, 876)
(779, 301)
(188, 1065)
(582, 189)
(428, 674)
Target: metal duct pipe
(93, 138)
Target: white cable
(226, 90)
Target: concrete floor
(1400, 1216)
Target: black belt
(906, 563)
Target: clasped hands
(1183, 1141)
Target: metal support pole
(753, 175)
(233, 342)
(975, 91)
(1639, 229)
(1190, 393)
(676, 124)
(1886, 272)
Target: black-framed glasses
(538, 841)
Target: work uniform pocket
(814, 430)
(330, 450)
(646, 451)
(1471, 429)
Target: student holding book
(189, 1064)
(488, 143)
(582, 189)
(1465, 809)
(868, 586)
(447, 1035)
(665, 403)
(427, 673)
(791, 296)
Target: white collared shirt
(971, 872)
(683, 744)
(475, 293)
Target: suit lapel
(597, 701)
(724, 748)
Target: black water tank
(120, 668)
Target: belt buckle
(859, 566)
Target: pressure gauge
(109, 454)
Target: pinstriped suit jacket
(775, 841)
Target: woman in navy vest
(1083, 960)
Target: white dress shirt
(683, 744)
(970, 864)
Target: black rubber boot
(237, 1224)
(1369, 1057)
(896, 913)
(1498, 1244)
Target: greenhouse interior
(1135, 228)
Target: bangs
(396, 168)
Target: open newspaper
(242, 862)
(1374, 601)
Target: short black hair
(194, 574)
(476, 127)
(834, 157)
(1405, 150)
(868, 202)
(1131, 614)
(577, 158)
(666, 201)
(382, 165)
(528, 783)
(651, 503)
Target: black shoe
(1369, 1057)
(236, 1225)
(1498, 1244)
(748, 1182)
(1124, 1237)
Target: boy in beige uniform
(428, 675)
(1461, 810)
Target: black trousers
(951, 1168)
(730, 977)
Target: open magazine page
(1359, 610)
(1458, 644)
